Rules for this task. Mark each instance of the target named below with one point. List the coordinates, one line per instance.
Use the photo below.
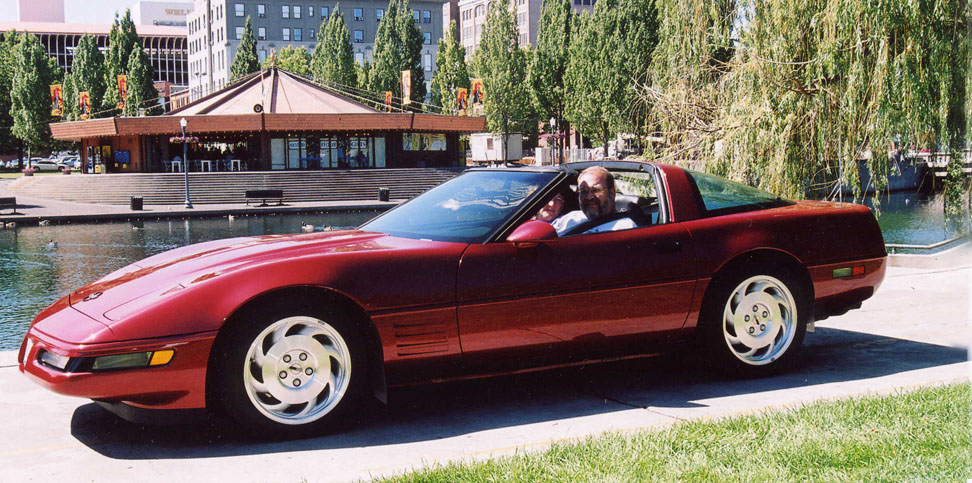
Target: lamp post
(553, 138)
(185, 160)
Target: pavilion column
(264, 161)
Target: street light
(185, 160)
(553, 131)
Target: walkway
(914, 332)
(34, 209)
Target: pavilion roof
(273, 91)
(271, 100)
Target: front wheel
(755, 323)
(291, 374)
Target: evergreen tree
(502, 65)
(451, 72)
(246, 61)
(361, 75)
(333, 60)
(398, 47)
(549, 60)
(590, 73)
(141, 89)
(71, 111)
(8, 51)
(122, 40)
(30, 93)
(291, 59)
(88, 71)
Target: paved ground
(32, 210)
(916, 331)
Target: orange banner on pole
(406, 87)
(388, 101)
(84, 103)
(478, 94)
(461, 100)
(122, 90)
(57, 99)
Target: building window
(427, 61)
(427, 38)
(415, 15)
(358, 36)
(261, 10)
(239, 33)
(298, 35)
(427, 16)
(359, 57)
(239, 9)
(286, 33)
(480, 11)
(310, 11)
(379, 13)
(296, 11)
(358, 14)
(261, 33)
(285, 11)
(310, 34)
(325, 12)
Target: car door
(583, 297)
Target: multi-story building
(40, 11)
(173, 14)
(472, 19)
(216, 27)
(166, 46)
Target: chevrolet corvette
(288, 334)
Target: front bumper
(180, 384)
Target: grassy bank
(921, 435)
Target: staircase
(229, 187)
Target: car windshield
(466, 209)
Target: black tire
(290, 371)
(753, 321)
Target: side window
(721, 196)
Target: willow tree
(819, 86)
(450, 73)
(684, 90)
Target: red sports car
(287, 333)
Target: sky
(75, 11)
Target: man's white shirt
(567, 222)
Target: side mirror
(533, 231)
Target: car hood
(170, 272)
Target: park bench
(264, 195)
(10, 202)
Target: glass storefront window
(424, 142)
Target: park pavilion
(271, 120)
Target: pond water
(909, 218)
(34, 273)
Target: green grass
(925, 434)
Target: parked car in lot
(287, 334)
(69, 162)
(44, 164)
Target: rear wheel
(755, 322)
(290, 374)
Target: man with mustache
(595, 194)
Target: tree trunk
(20, 154)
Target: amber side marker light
(134, 360)
(848, 271)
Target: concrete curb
(959, 256)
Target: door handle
(667, 246)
